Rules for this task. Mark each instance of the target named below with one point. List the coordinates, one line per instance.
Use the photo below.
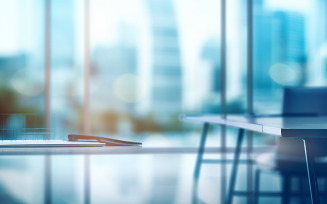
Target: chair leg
(302, 190)
(324, 193)
(199, 161)
(286, 189)
(256, 186)
(235, 166)
(314, 192)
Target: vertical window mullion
(86, 108)
(249, 57)
(47, 92)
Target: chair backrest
(303, 101)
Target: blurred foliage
(8, 101)
(145, 124)
(9, 104)
(110, 122)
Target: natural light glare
(285, 74)
(292, 5)
(127, 88)
(9, 34)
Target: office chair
(289, 160)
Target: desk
(304, 128)
(115, 174)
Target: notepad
(106, 140)
(48, 143)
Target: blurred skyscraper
(279, 55)
(10, 64)
(279, 38)
(63, 34)
(262, 49)
(166, 93)
(290, 36)
(318, 72)
(323, 26)
(211, 54)
(110, 64)
(65, 72)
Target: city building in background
(155, 59)
(150, 62)
(279, 54)
(166, 90)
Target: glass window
(21, 56)
(67, 65)
(281, 51)
(151, 61)
(236, 56)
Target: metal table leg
(199, 160)
(256, 186)
(87, 182)
(311, 171)
(235, 166)
(48, 180)
(249, 168)
(223, 165)
(286, 189)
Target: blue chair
(289, 160)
